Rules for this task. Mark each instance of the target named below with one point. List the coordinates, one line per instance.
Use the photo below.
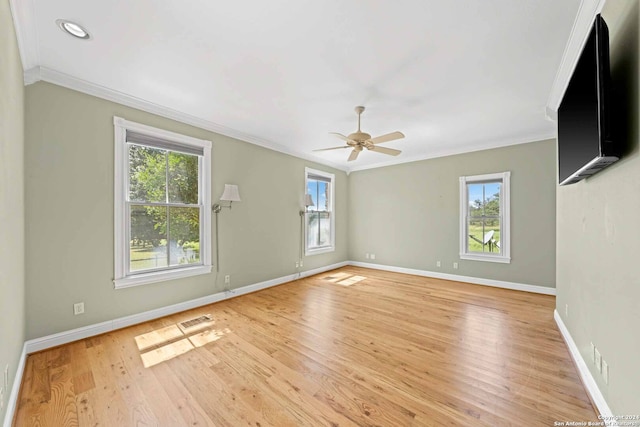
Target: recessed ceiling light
(73, 29)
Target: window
(162, 199)
(320, 218)
(484, 217)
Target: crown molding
(48, 75)
(36, 74)
(31, 76)
(577, 38)
(23, 13)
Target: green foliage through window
(163, 209)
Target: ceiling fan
(360, 140)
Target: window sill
(160, 276)
(487, 258)
(319, 251)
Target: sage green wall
(12, 282)
(69, 213)
(598, 230)
(408, 214)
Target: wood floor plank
(350, 347)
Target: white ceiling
(453, 76)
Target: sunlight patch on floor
(173, 340)
(344, 279)
(351, 280)
(166, 352)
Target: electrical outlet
(227, 279)
(566, 311)
(78, 308)
(605, 372)
(373, 256)
(437, 263)
(593, 353)
(455, 265)
(598, 361)
(366, 255)
(297, 264)
(301, 263)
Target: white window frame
(122, 278)
(505, 218)
(332, 213)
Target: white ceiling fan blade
(386, 138)
(354, 155)
(339, 135)
(383, 150)
(333, 148)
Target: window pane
(318, 229)
(183, 178)
(476, 199)
(492, 199)
(323, 192)
(312, 230)
(148, 244)
(484, 235)
(324, 234)
(184, 235)
(484, 199)
(320, 193)
(147, 174)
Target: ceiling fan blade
(339, 135)
(354, 155)
(386, 138)
(333, 148)
(383, 150)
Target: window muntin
(484, 217)
(162, 220)
(319, 218)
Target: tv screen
(585, 145)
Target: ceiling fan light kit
(360, 140)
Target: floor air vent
(196, 321)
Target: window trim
(332, 216)
(121, 220)
(505, 212)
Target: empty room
(293, 213)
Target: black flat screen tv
(585, 145)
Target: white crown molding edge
(507, 142)
(587, 379)
(38, 73)
(577, 38)
(24, 16)
(457, 278)
(15, 389)
(53, 340)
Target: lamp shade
(308, 200)
(230, 193)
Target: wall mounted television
(585, 144)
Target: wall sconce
(230, 194)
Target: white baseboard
(49, 341)
(467, 279)
(587, 379)
(15, 390)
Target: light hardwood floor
(349, 347)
